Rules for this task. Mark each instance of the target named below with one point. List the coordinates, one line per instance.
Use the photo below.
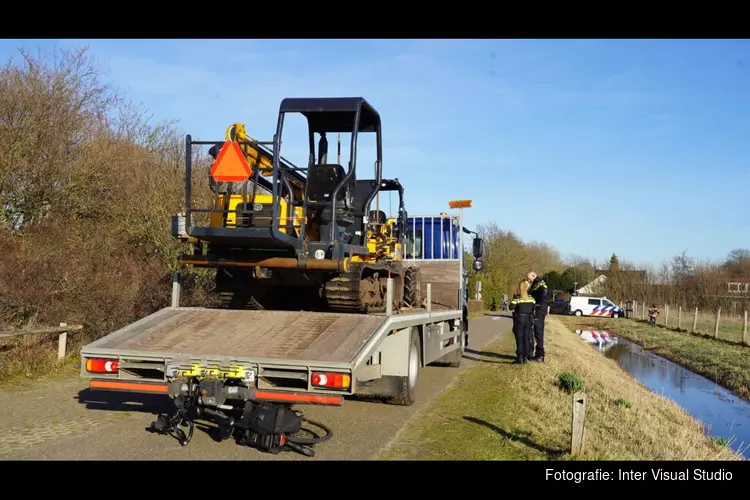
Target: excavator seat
(322, 179)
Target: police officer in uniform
(540, 293)
(522, 306)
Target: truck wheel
(412, 287)
(578, 313)
(615, 315)
(408, 384)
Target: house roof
(643, 275)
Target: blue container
(432, 238)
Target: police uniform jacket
(522, 306)
(540, 293)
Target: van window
(607, 303)
(594, 302)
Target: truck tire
(579, 313)
(412, 287)
(407, 385)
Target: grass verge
(501, 411)
(725, 363)
(28, 359)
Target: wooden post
(62, 342)
(580, 404)
(745, 339)
(176, 290)
(716, 327)
(679, 318)
(666, 315)
(695, 320)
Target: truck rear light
(331, 380)
(102, 365)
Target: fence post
(716, 327)
(176, 290)
(666, 315)
(695, 320)
(580, 403)
(745, 340)
(679, 318)
(62, 342)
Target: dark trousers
(539, 334)
(522, 332)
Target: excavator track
(360, 291)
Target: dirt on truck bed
(289, 335)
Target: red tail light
(331, 380)
(102, 365)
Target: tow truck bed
(238, 334)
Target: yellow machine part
(236, 199)
(256, 158)
(382, 243)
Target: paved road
(54, 422)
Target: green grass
(623, 403)
(721, 441)
(570, 382)
(731, 326)
(501, 411)
(726, 363)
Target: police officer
(540, 293)
(522, 306)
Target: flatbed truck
(215, 363)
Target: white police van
(595, 306)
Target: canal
(723, 414)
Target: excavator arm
(260, 158)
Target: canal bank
(726, 363)
(501, 411)
(725, 416)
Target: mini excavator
(283, 237)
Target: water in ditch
(724, 414)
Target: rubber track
(343, 293)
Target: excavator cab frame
(387, 185)
(333, 195)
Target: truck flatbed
(288, 337)
(243, 334)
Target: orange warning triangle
(231, 164)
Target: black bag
(271, 419)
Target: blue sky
(594, 146)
